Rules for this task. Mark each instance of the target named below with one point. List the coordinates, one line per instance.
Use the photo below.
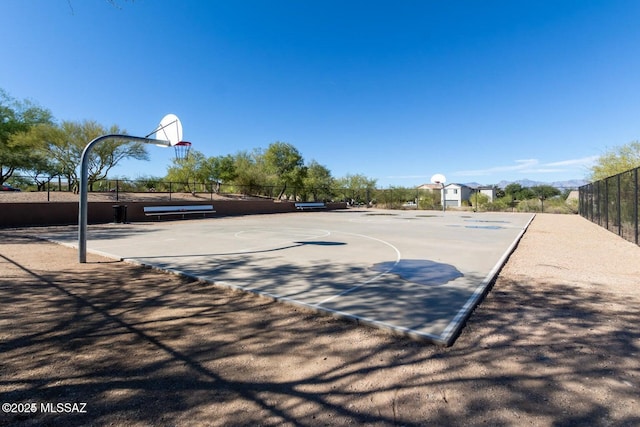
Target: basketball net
(182, 149)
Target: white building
(455, 194)
(490, 192)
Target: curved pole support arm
(84, 192)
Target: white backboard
(169, 129)
(438, 179)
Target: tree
(41, 166)
(479, 200)
(17, 118)
(188, 171)
(430, 199)
(286, 164)
(395, 197)
(220, 169)
(106, 155)
(543, 192)
(512, 190)
(318, 181)
(616, 160)
(250, 171)
(516, 191)
(67, 145)
(357, 188)
(64, 146)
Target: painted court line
(399, 256)
(454, 327)
(412, 273)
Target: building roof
(458, 185)
(430, 187)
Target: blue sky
(395, 90)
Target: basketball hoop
(182, 150)
(169, 129)
(168, 133)
(440, 179)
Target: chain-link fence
(59, 188)
(613, 204)
(62, 189)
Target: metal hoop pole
(84, 192)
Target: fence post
(598, 210)
(606, 204)
(619, 205)
(594, 202)
(597, 204)
(636, 203)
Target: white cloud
(584, 161)
(520, 165)
(407, 176)
(532, 166)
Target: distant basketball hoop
(440, 179)
(182, 149)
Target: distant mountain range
(526, 183)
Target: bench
(301, 206)
(178, 210)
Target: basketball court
(418, 273)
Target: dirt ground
(555, 343)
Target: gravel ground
(556, 342)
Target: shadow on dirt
(139, 346)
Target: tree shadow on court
(408, 295)
(143, 347)
(96, 232)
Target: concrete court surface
(419, 273)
